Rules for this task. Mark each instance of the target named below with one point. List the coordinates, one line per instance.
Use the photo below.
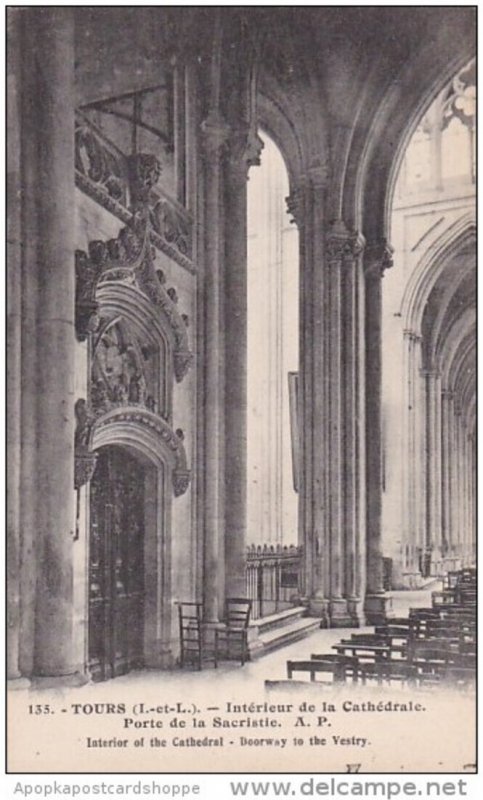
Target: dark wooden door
(116, 564)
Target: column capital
(412, 336)
(244, 149)
(215, 133)
(378, 258)
(431, 372)
(296, 205)
(343, 244)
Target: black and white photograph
(241, 389)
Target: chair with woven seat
(231, 637)
(190, 633)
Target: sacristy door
(116, 564)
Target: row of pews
(430, 647)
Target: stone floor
(172, 716)
(269, 667)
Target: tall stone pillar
(377, 258)
(415, 462)
(306, 206)
(344, 248)
(459, 480)
(474, 492)
(14, 344)
(244, 152)
(215, 135)
(48, 232)
(446, 521)
(465, 497)
(433, 469)
(455, 480)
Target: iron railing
(273, 575)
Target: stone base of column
(58, 681)
(355, 611)
(317, 606)
(339, 614)
(377, 608)
(17, 684)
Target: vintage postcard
(241, 389)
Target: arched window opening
(441, 153)
(428, 307)
(272, 354)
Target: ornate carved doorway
(116, 564)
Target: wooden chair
(231, 638)
(344, 666)
(313, 667)
(190, 615)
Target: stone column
(474, 494)
(414, 453)
(378, 257)
(420, 445)
(50, 122)
(343, 250)
(446, 475)
(455, 497)
(299, 206)
(245, 149)
(14, 344)
(466, 497)
(306, 205)
(459, 480)
(215, 134)
(433, 468)
(315, 347)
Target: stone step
(291, 632)
(280, 619)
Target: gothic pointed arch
(375, 157)
(458, 239)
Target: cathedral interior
(241, 323)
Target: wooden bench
(315, 667)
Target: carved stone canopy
(129, 259)
(170, 442)
(87, 425)
(115, 259)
